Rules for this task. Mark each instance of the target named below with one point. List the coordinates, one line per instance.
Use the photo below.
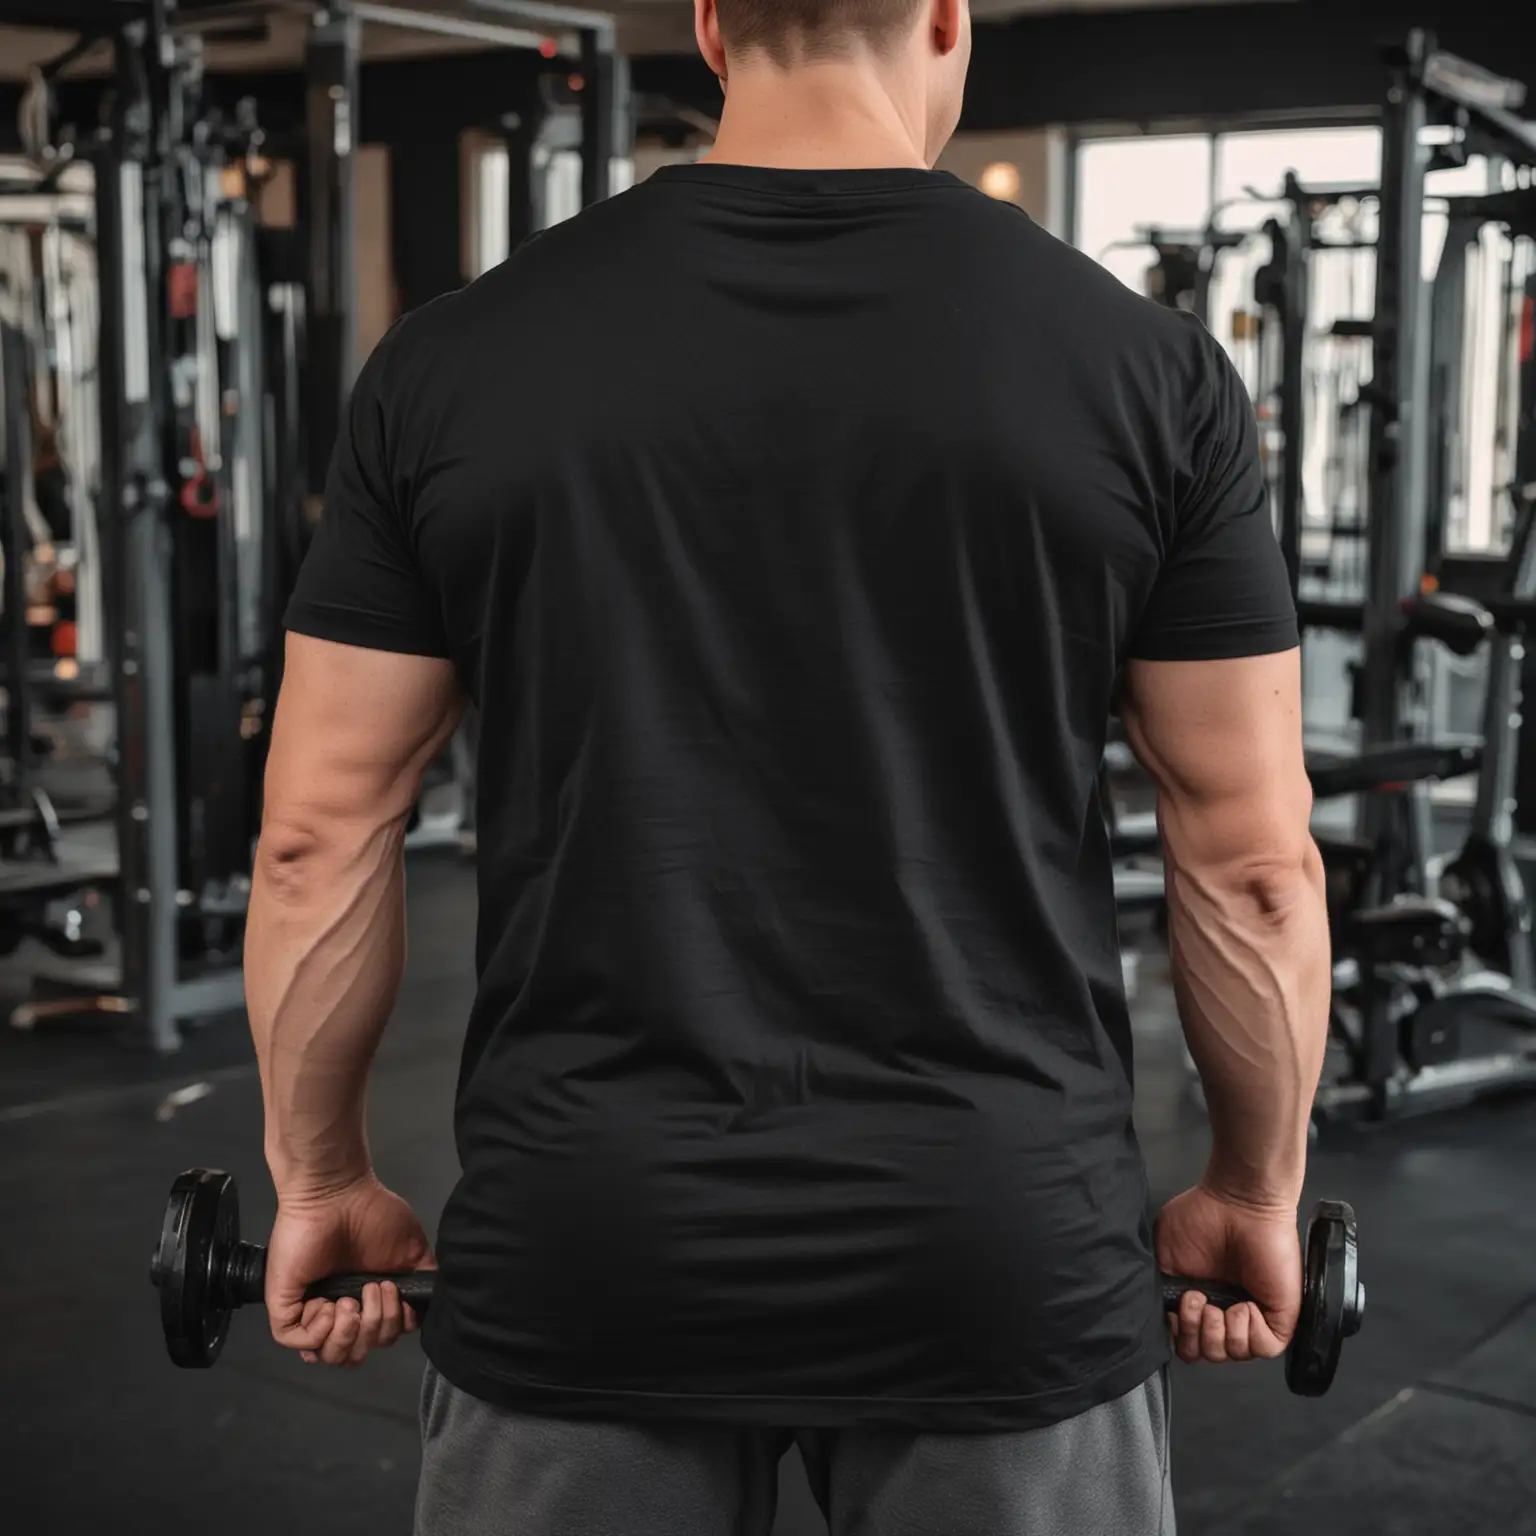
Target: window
(1251, 167)
(1187, 184)
(1124, 185)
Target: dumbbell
(203, 1272)
(1332, 1298)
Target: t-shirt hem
(1217, 644)
(937, 1415)
(368, 631)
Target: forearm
(1253, 975)
(325, 947)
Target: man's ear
(948, 24)
(706, 31)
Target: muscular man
(790, 520)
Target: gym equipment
(1184, 262)
(1419, 972)
(204, 1271)
(173, 409)
(1332, 1298)
(1435, 966)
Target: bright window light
(1126, 183)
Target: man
(792, 520)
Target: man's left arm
(325, 947)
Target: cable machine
(177, 480)
(227, 353)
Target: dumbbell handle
(248, 1282)
(249, 1272)
(416, 1287)
(1217, 1292)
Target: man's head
(787, 30)
(922, 45)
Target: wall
(649, 158)
(377, 302)
(1038, 155)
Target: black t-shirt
(790, 529)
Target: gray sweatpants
(487, 1472)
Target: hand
(1209, 1236)
(361, 1229)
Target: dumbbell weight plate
(1332, 1299)
(201, 1228)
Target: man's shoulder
(1057, 304)
(545, 269)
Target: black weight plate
(197, 1237)
(1332, 1300)
(1430, 1039)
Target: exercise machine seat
(1392, 765)
(1414, 930)
(1346, 618)
(1460, 624)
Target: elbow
(289, 857)
(1283, 880)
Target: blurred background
(210, 213)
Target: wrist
(303, 1182)
(1266, 1194)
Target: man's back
(791, 529)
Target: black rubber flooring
(1431, 1427)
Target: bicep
(1222, 589)
(1223, 741)
(361, 583)
(354, 731)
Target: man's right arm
(1248, 924)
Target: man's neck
(832, 116)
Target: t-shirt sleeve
(360, 584)
(1222, 590)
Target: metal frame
(1289, 294)
(562, 20)
(135, 500)
(1447, 382)
(445, 26)
(599, 121)
(1424, 86)
(1394, 512)
(14, 541)
(71, 15)
(138, 189)
(524, 135)
(1493, 813)
(329, 194)
(602, 24)
(132, 190)
(1525, 429)
(332, 65)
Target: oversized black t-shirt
(789, 530)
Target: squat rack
(328, 190)
(1425, 87)
(139, 159)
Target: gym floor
(1430, 1428)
